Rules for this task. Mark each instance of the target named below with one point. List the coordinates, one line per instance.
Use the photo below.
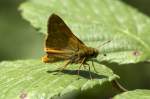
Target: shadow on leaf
(83, 73)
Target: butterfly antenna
(104, 43)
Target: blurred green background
(19, 40)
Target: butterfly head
(93, 53)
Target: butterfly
(61, 44)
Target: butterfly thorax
(87, 53)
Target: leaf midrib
(135, 38)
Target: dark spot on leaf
(136, 53)
(82, 73)
(37, 29)
(36, 86)
(23, 95)
(105, 54)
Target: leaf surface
(135, 94)
(96, 22)
(33, 79)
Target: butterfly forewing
(60, 40)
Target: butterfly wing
(61, 42)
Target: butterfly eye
(92, 55)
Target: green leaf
(136, 94)
(95, 22)
(33, 79)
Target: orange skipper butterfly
(62, 44)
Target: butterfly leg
(81, 65)
(67, 63)
(89, 70)
(84, 66)
(94, 67)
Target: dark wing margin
(60, 37)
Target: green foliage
(36, 80)
(136, 94)
(95, 22)
(18, 40)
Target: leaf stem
(118, 86)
